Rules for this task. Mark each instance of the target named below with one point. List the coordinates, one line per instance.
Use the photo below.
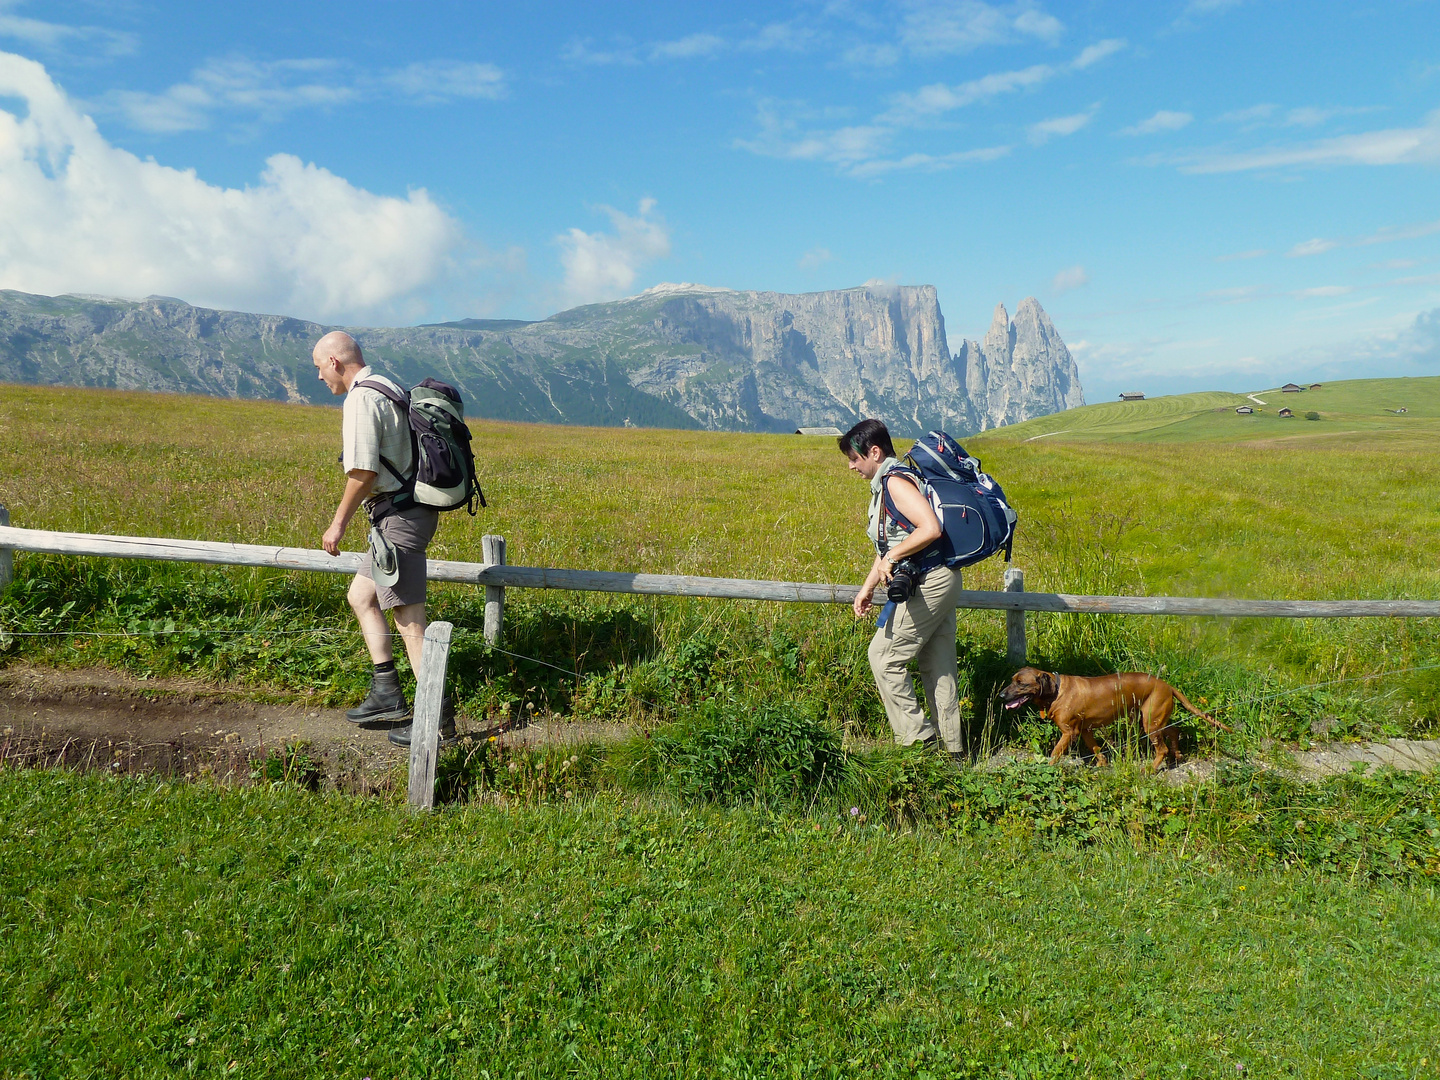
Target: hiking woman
(921, 628)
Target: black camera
(905, 578)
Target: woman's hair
(864, 435)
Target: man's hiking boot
(386, 700)
(400, 736)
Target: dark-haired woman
(923, 627)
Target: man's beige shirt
(373, 427)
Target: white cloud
(80, 215)
(51, 36)
(934, 100)
(1323, 290)
(872, 54)
(1046, 130)
(1399, 232)
(814, 258)
(785, 133)
(602, 266)
(794, 131)
(1093, 54)
(927, 162)
(939, 98)
(578, 51)
(1251, 115)
(1073, 277)
(1393, 146)
(947, 27)
(1387, 235)
(436, 81)
(687, 48)
(1164, 120)
(269, 90)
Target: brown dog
(1079, 706)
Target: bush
(728, 751)
(1312, 416)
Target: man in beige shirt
(377, 458)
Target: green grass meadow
(752, 885)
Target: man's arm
(357, 486)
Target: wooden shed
(833, 432)
(1132, 395)
(1291, 388)
(1285, 412)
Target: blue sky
(1202, 193)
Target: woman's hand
(864, 598)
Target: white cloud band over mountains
(78, 214)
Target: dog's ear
(1050, 683)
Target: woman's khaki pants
(921, 629)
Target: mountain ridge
(677, 355)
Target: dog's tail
(1196, 712)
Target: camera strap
(885, 613)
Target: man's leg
(373, 626)
(410, 621)
(385, 701)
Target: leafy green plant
(290, 764)
(732, 750)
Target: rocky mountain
(675, 356)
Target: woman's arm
(863, 601)
(916, 508)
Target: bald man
(378, 459)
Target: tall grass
(1095, 518)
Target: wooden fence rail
(498, 576)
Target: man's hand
(357, 486)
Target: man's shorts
(410, 530)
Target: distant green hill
(1351, 407)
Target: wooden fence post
(1015, 620)
(493, 548)
(7, 557)
(425, 726)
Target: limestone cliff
(674, 356)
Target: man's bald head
(337, 358)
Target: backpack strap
(887, 504)
(402, 401)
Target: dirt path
(98, 718)
(95, 717)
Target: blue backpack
(975, 519)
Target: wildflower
(513, 766)
(854, 811)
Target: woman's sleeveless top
(894, 532)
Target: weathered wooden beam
(7, 557)
(493, 549)
(1015, 648)
(425, 719)
(537, 577)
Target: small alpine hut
(833, 432)
(1314, 386)
(1286, 412)
(1291, 388)
(1132, 395)
(1245, 410)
